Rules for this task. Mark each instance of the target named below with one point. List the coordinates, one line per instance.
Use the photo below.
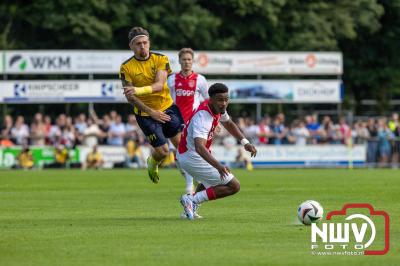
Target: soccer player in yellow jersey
(144, 78)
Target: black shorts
(156, 132)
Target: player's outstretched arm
(233, 129)
(156, 115)
(200, 145)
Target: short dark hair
(217, 88)
(186, 51)
(136, 31)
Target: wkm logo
(335, 236)
(18, 58)
(41, 62)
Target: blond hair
(186, 51)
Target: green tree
(372, 63)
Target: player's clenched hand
(160, 116)
(250, 148)
(223, 171)
(129, 91)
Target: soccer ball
(309, 212)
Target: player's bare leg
(217, 192)
(200, 187)
(157, 155)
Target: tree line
(366, 31)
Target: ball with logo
(309, 212)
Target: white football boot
(187, 205)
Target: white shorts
(201, 170)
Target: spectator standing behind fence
(384, 137)
(20, 131)
(47, 128)
(38, 131)
(8, 123)
(360, 132)
(263, 131)
(372, 142)
(395, 157)
(327, 132)
(80, 126)
(56, 130)
(116, 133)
(279, 132)
(132, 130)
(250, 130)
(5, 140)
(345, 132)
(313, 127)
(91, 133)
(68, 134)
(300, 133)
(394, 126)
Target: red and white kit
(201, 125)
(188, 92)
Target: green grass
(121, 218)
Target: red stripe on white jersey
(204, 106)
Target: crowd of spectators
(68, 131)
(381, 135)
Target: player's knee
(235, 185)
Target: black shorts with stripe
(156, 132)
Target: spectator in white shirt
(91, 134)
(116, 133)
(20, 131)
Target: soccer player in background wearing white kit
(194, 153)
(188, 89)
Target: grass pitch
(118, 217)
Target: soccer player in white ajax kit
(194, 153)
(188, 89)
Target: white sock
(189, 183)
(200, 197)
(188, 179)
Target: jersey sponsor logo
(180, 92)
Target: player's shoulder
(200, 76)
(202, 115)
(157, 55)
(130, 59)
(201, 79)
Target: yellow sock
(154, 160)
(249, 166)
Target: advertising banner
(41, 156)
(205, 62)
(298, 156)
(267, 156)
(248, 91)
(290, 91)
(61, 91)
